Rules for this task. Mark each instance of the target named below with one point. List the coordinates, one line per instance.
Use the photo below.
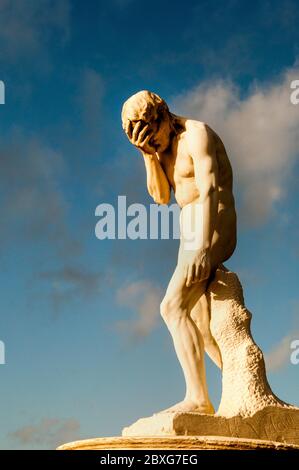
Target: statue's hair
(142, 106)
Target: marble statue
(188, 157)
(203, 306)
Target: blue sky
(72, 306)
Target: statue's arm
(203, 152)
(157, 182)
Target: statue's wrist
(149, 156)
(206, 246)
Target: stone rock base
(175, 443)
(275, 423)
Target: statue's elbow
(162, 198)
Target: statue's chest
(183, 166)
(177, 166)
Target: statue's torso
(178, 166)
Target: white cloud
(144, 298)
(261, 135)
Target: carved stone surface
(174, 442)
(271, 423)
(248, 407)
(245, 389)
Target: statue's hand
(197, 266)
(140, 136)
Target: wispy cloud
(35, 208)
(261, 134)
(26, 27)
(47, 434)
(33, 204)
(143, 298)
(90, 98)
(282, 15)
(71, 282)
(279, 355)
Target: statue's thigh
(179, 294)
(176, 290)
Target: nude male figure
(188, 157)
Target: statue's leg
(187, 341)
(201, 315)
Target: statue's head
(151, 110)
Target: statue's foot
(189, 406)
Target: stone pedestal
(248, 408)
(174, 443)
(245, 388)
(270, 424)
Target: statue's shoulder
(197, 132)
(199, 127)
(194, 133)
